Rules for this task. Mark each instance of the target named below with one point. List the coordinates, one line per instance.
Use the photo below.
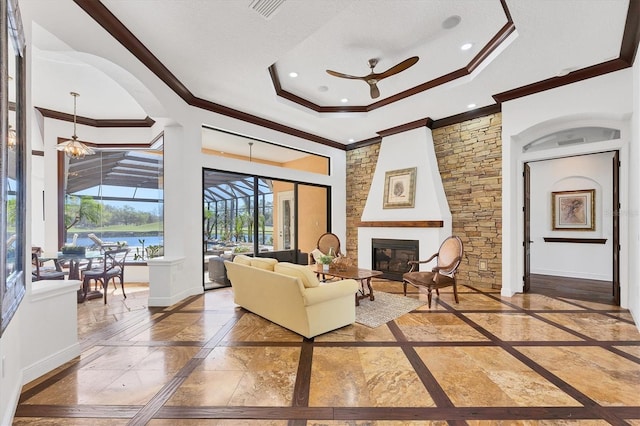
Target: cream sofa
(291, 295)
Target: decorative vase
(325, 267)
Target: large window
(259, 216)
(116, 196)
(12, 162)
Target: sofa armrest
(330, 291)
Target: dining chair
(111, 267)
(40, 272)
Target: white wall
(632, 211)
(590, 261)
(602, 101)
(413, 148)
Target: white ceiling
(221, 50)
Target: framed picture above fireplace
(399, 189)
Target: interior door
(527, 228)
(616, 227)
(286, 231)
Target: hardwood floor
(531, 359)
(573, 288)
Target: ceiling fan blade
(397, 68)
(342, 75)
(375, 92)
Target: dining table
(72, 261)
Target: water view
(148, 240)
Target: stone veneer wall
(469, 157)
(361, 164)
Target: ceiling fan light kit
(373, 78)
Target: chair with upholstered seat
(111, 267)
(326, 242)
(40, 272)
(442, 275)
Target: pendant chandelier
(73, 148)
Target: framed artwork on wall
(399, 189)
(574, 210)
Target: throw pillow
(306, 275)
(242, 259)
(316, 253)
(263, 263)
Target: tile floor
(526, 360)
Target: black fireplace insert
(390, 256)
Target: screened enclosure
(117, 196)
(259, 216)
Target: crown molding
(119, 122)
(628, 51)
(495, 42)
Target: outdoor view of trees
(233, 220)
(86, 213)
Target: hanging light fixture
(73, 148)
(12, 140)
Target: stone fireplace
(391, 256)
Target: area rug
(384, 308)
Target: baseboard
(49, 363)
(12, 401)
(162, 301)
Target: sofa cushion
(242, 259)
(306, 275)
(263, 263)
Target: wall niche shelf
(575, 240)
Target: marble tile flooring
(526, 360)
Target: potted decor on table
(325, 260)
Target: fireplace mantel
(402, 224)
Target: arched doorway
(520, 151)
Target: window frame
(13, 286)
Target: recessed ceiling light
(466, 46)
(352, 140)
(344, 100)
(471, 106)
(451, 22)
(293, 74)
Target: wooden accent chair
(442, 275)
(326, 242)
(111, 267)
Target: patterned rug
(384, 308)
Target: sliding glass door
(258, 216)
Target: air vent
(266, 8)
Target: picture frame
(399, 188)
(573, 210)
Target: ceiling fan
(373, 78)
